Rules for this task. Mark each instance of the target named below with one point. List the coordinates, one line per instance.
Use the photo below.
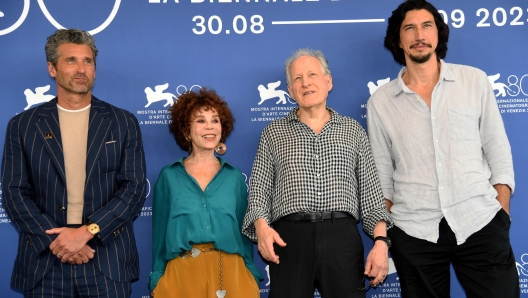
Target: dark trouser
(65, 280)
(484, 264)
(327, 255)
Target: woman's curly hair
(183, 111)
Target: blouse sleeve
(160, 217)
(248, 245)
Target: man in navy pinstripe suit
(73, 182)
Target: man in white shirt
(445, 165)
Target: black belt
(316, 216)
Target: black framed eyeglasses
(366, 284)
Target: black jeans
(327, 255)
(484, 264)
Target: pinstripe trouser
(66, 280)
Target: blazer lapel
(48, 130)
(98, 130)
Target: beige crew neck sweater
(74, 134)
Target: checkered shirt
(296, 170)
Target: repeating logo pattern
(497, 86)
(158, 95)
(3, 215)
(522, 268)
(512, 97)
(37, 97)
(373, 87)
(267, 112)
(271, 92)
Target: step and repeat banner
(153, 50)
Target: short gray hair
(63, 36)
(305, 52)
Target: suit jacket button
(62, 208)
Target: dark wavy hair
(392, 37)
(182, 113)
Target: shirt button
(319, 194)
(318, 175)
(316, 156)
(62, 208)
(433, 118)
(207, 228)
(205, 206)
(442, 188)
(445, 211)
(439, 164)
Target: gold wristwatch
(93, 228)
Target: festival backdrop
(153, 50)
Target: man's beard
(421, 58)
(69, 85)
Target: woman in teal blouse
(198, 249)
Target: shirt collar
(334, 118)
(445, 75)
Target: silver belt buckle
(316, 220)
(194, 252)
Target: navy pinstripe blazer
(34, 189)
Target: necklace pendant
(220, 293)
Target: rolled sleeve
(260, 190)
(380, 145)
(373, 208)
(495, 144)
(246, 243)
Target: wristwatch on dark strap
(384, 239)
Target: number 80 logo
(50, 18)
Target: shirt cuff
(248, 227)
(154, 278)
(376, 216)
(504, 179)
(388, 193)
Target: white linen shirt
(441, 161)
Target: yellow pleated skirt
(199, 277)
